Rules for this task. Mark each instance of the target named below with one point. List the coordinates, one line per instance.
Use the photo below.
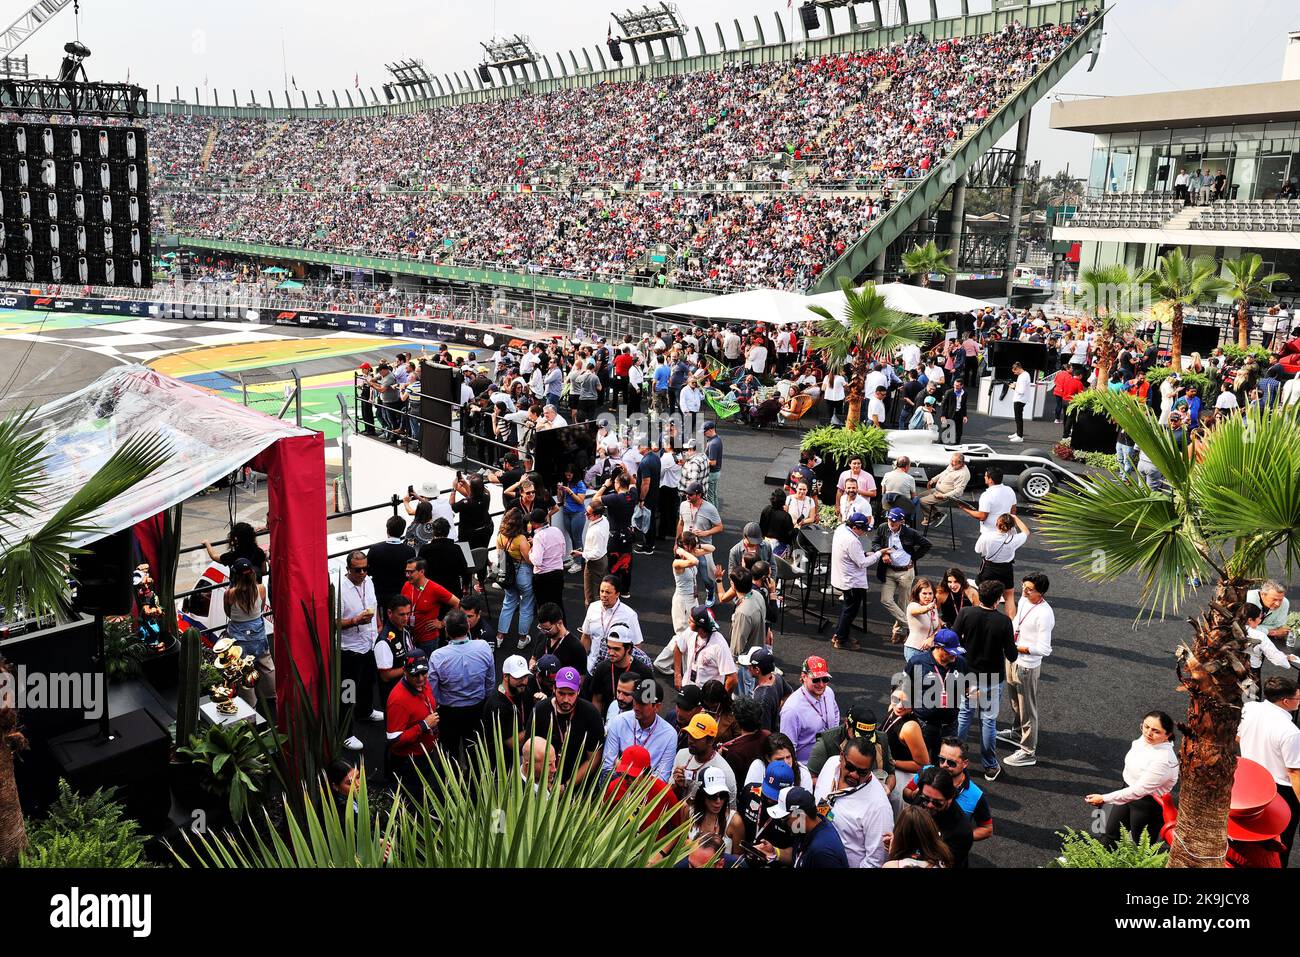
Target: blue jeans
(250, 636)
(911, 654)
(744, 682)
(1127, 459)
(574, 523)
(987, 705)
(520, 597)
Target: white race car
(1033, 473)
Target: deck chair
(721, 407)
(802, 406)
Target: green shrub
(1157, 376)
(1260, 354)
(1099, 460)
(1081, 850)
(835, 443)
(234, 759)
(1088, 401)
(91, 831)
(123, 650)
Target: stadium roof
(1212, 106)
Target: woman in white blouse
(801, 509)
(998, 551)
(1150, 772)
(833, 387)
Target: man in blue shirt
(643, 725)
(816, 842)
(661, 376)
(462, 674)
(713, 449)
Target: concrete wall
(1217, 106)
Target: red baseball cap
(635, 760)
(365, 366)
(815, 667)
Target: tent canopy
(289, 284)
(772, 306)
(275, 271)
(913, 300)
(209, 437)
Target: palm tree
(1109, 299)
(1182, 283)
(1246, 284)
(924, 260)
(33, 568)
(867, 327)
(1231, 510)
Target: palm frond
(1167, 454)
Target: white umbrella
(913, 300)
(772, 306)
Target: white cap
(714, 781)
(515, 666)
(781, 809)
(619, 633)
(429, 490)
(747, 658)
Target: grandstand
(786, 169)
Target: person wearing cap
(509, 707)
(770, 687)
(989, 639)
(365, 394)
(811, 709)
(428, 492)
(572, 725)
(630, 767)
(544, 677)
(644, 727)
(752, 821)
(876, 413)
(462, 674)
(713, 450)
(859, 722)
(702, 654)
(752, 545)
(936, 686)
(604, 615)
(856, 801)
(617, 663)
(649, 471)
(815, 840)
(703, 518)
(900, 548)
(699, 755)
(245, 603)
(849, 564)
(412, 721)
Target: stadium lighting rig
(409, 74)
(651, 23)
(506, 53)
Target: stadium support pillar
(1017, 198)
(878, 267)
(958, 229)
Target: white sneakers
(376, 716)
(1016, 438)
(1021, 759)
(354, 744)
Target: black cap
(689, 698)
(861, 717)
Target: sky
(1150, 46)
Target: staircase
(1183, 220)
(208, 147)
(266, 145)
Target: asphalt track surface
(1105, 672)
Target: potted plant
(1082, 850)
(837, 446)
(1094, 430)
(233, 767)
(91, 831)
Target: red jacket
(406, 710)
(1067, 386)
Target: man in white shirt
(1032, 626)
(1268, 735)
(849, 564)
(756, 359)
(551, 419)
(860, 808)
(1019, 397)
(603, 614)
(784, 349)
(529, 361)
(357, 631)
(874, 378)
(1226, 402)
(995, 500)
(731, 347)
(876, 414)
(702, 654)
(911, 356)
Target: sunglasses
(821, 681)
(948, 762)
(933, 802)
(854, 769)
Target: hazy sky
(1150, 45)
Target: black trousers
(549, 587)
(854, 600)
(359, 669)
(1137, 816)
(1019, 408)
(368, 417)
(457, 727)
(1287, 837)
(666, 513)
(652, 506)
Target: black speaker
(1200, 338)
(615, 49)
(133, 759)
(104, 576)
(808, 15)
(556, 449)
(439, 389)
(485, 73)
(1003, 355)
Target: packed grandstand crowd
(585, 182)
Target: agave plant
(488, 814)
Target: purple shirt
(548, 550)
(803, 717)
